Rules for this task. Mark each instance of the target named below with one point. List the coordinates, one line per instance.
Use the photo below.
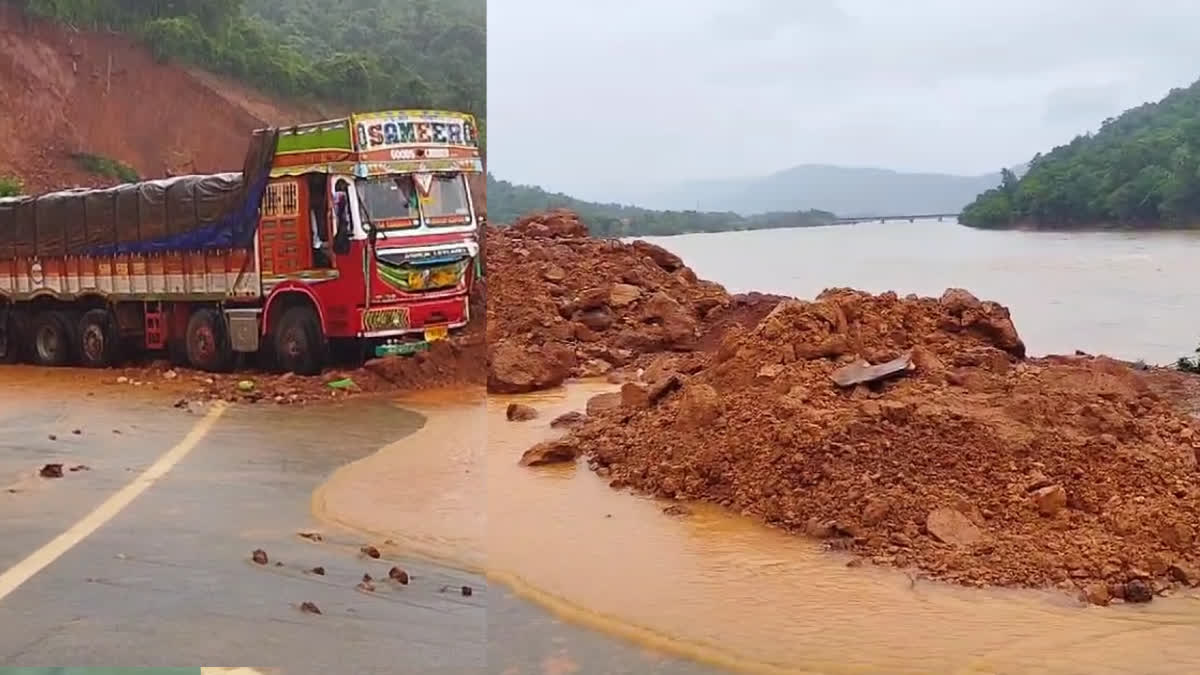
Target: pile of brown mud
(974, 464)
(561, 304)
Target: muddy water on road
(715, 586)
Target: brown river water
(724, 590)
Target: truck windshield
(447, 203)
(391, 201)
(402, 202)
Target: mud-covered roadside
(458, 362)
(973, 463)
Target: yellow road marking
(41, 558)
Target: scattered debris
(677, 510)
(861, 372)
(81, 467)
(311, 536)
(259, 556)
(398, 575)
(519, 412)
(51, 471)
(366, 586)
(568, 419)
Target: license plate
(435, 333)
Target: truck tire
(299, 343)
(51, 339)
(12, 340)
(207, 341)
(99, 343)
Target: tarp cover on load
(186, 213)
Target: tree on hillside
(508, 202)
(364, 53)
(1141, 169)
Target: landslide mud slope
(62, 97)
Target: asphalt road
(167, 580)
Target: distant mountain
(507, 202)
(846, 191)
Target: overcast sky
(595, 97)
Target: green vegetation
(508, 202)
(374, 54)
(11, 186)
(105, 166)
(1140, 170)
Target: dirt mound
(561, 304)
(972, 463)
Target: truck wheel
(298, 342)
(11, 340)
(98, 340)
(52, 339)
(207, 341)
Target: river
(1128, 295)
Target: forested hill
(366, 54)
(1140, 170)
(508, 202)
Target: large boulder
(516, 369)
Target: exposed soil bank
(561, 304)
(976, 465)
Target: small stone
(519, 412)
(398, 575)
(1097, 593)
(820, 529)
(1137, 590)
(259, 556)
(1185, 573)
(312, 536)
(367, 578)
(366, 586)
(1050, 500)
(603, 402)
(77, 432)
(854, 562)
(551, 452)
(950, 526)
(370, 551)
(467, 591)
(309, 608)
(52, 437)
(875, 511)
(677, 510)
(568, 419)
(51, 471)
(320, 571)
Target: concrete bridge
(883, 219)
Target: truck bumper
(414, 317)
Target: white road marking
(41, 558)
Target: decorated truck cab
(360, 231)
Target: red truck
(358, 232)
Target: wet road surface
(168, 580)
